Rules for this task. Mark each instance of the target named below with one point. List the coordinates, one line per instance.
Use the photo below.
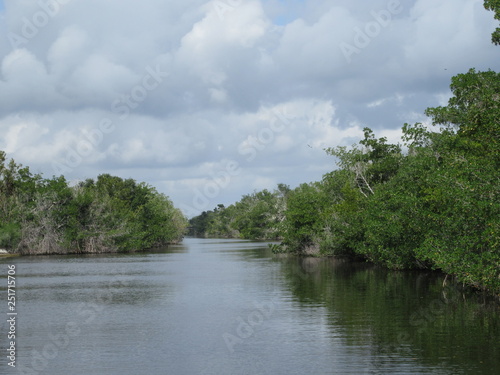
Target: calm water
(230, 307)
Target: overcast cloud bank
(210, 100)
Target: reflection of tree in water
(399, 314)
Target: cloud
(173, 92)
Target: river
(230, 307)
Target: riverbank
(5, 253)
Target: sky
(211, 100)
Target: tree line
(109, 214)
(430, 202)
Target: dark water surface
(230, 307)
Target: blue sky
(207, 105)
(286, 11)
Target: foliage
(494, 5)
(44, 216)
(437, 206)
(303, 223)
(474, 111)
(256, 216)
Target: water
(230, 307)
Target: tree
(373, 163)
(473, 112)
(494, 5)
(303, 218)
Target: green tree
(257, 215)
(303, 222)
(473, 112)
(494, 5)
(161, 222)
(373, 162)
(198, 225)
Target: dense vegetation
(47, 216)
(432, 202)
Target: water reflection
(231, 307)
(401, 317)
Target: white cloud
(69, 49)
